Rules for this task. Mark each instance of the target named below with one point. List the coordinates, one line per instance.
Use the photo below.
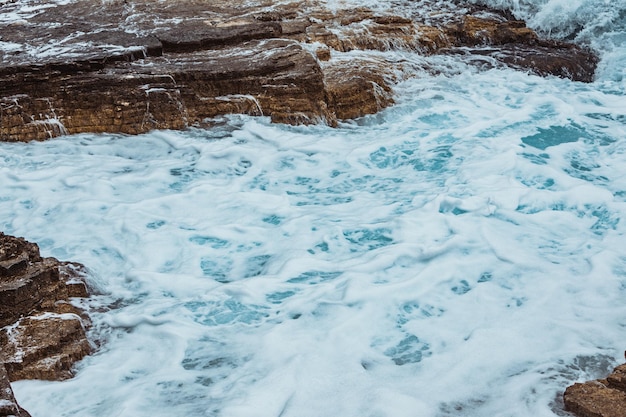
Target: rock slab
(599, 398)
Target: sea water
(462, 253)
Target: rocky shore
(42, 333)
(137, 65)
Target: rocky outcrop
(277, 76)
(8, 404)
(599, 398)
(512, 43)
(130, 67)
(42, 333)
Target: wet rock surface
(8, 404)
(42, 333)
(137, 65)
(599, 398)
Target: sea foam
(457, 254)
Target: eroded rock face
(42, 333)
(44, 346)
(130, 67)
(271, 77)
(357, 87)
(599, 398)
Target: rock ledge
(599, 398)
(134, 66)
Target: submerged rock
(131, 67)
(599, 398)
(42, 333)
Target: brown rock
(75, 277)
(15, 254)
(323, 54)
(277, 78)
(318, 33)
(599, 398)
(42, 333)
(617, 379)
(27, 282)
(44, 346)
(594, 399)
(8, 404)
(198, 35)
(512, 43)
(557, 59)
(349, 30)
(433, 39)
(173, 65)
(357, 88)
(472, 31)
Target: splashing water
(457, 254)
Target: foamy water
(459, 254)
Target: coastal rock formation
(134, 66)
(599, 398)
(42, 333)
(8, 404)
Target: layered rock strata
(42, 334)
(133, 66)
(599, 398)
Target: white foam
(457, 253)
(583, 20)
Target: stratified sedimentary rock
(509, 41)
(131, 67)
(599, 398)
(42, 334)
(272, 77)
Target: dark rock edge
(42, 333)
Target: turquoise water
(460, 253)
